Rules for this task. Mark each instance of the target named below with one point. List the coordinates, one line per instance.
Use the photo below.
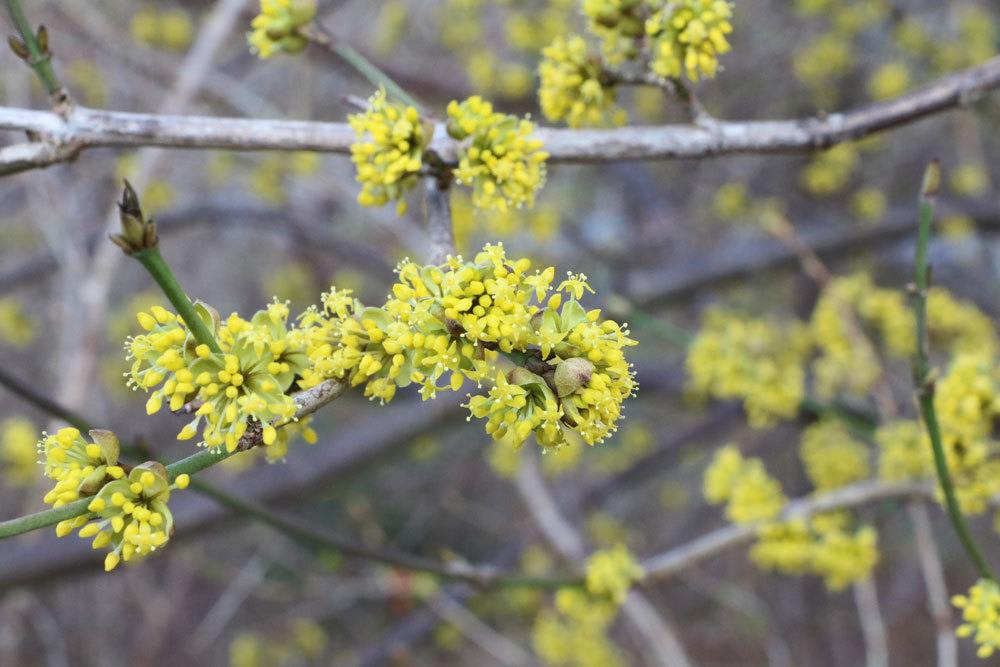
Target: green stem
(925, 382)
(25, 524)
(366, 68)
(164, 277)
(38, 59)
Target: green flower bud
(572, 374)
(108, 442)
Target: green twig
(38, 56)
(300, 531)
(923, 376)
(26, 524)
(164, 277)
(366, 68)
(483, 576)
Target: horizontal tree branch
(674, 561)
(63, 139)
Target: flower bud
(108, 442)
(137, 233)
(18, 47)
(572, 374)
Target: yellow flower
(822, 546)
(749, 492)
(889, 80)
(573, 88)
(832, 458)
(78, 468)
(981, 616)
(969, 180)
(18, 452)
(277, 28)
(619, 24)
(389, 151)
(610, 573)
(129, 515)
(687, 37)
(751, 359)
(500, 160)
(869, 204)
(16, 328)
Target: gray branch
(89, 128)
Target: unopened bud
(137, 233)
(43, 39)
(18, 47)
(572, 374)
(932, 179)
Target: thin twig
(923, 377)
(672, 562)
(937, 589)
(38, 56)
(659, 637)
(320, 36)
(872, 625)
(489, 640)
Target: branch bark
(88, 128)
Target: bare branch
(658, 636)
(88, 128)
(673, 562)
(872, 625)
(937, 589)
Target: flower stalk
(33, 48)
(923, 375)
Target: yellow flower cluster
(127, 513)
(688, 37)
(832, 458)
(575, 634)
(454, 319)
(967, 401)
(389, 151)
(610, 574)
(276, 29)
(17, 451)
(16, 327)
(500, 160)
(750, 359)
(889, 80)
(169, 30)
(247, 382)
(573, 87)
(904, 452)
(823, 546)
(829, 172)
(820, 64)
(750, 494)
(503, 66)
(498, 157)
(848, 362)
(619, 24)
(78, 468)
(981, 616)
(130, 515)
